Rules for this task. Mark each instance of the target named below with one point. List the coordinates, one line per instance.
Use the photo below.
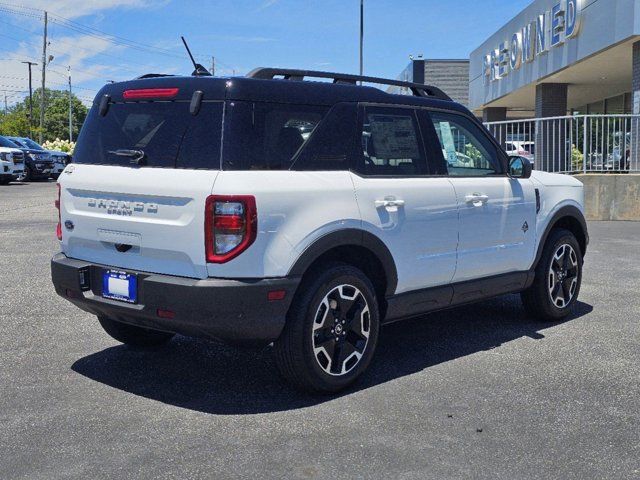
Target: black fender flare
(563, 212)
(349, 237)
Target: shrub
(60, 146)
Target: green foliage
(472, 152)
(16, 121)
(577, 158)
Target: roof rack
(418, 89)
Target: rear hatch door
(134, 197)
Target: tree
(56, 125)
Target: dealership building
(560, 57)
(450, 75)
(560, 84)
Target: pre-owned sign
(548, 30)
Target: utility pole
(5, 103)
(213, 66)
(70, 109)
(29, 65)
(361, 38)
(44, 66)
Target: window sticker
(393, 136)
(448, 144)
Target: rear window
(168, 134)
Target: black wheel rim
(562, 278)
(341, 329)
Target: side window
(390, 143)
(266, 136)
(332, 143)
(466, 149)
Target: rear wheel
(331, 332)
(558, 278)
(134, 336)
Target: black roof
(275, 90)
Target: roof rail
(418, 89)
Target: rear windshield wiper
(137, 156)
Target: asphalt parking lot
(475, 392)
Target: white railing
(574, 144)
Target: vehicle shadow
(214, 378)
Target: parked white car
(195, 205)
(11, 161)
(521, 149)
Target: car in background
(60, 159)
(38, 162)
(521, 149)
(11, 161)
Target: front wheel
(134, 336)
(27, 175)
(331, 332)
(558, 277)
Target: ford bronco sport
(274, 209)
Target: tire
(5, 180)
(335, 301)
(27, 176)
(558, 275)
(134, 336)
(55, 176)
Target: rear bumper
(234, 311)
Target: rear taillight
(58, 207)
(231, 224)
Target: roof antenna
(199, 71)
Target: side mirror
(520, 167)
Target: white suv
(270, 209)
(11, 161)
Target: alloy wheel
(563, 276)
(341, 330)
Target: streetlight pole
(30, 64)
(44, 65)
(361, 38)
(70, 108)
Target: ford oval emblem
(69, 225)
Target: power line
(94, 32)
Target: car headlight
(4, 156)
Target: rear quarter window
(267, 136)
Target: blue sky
(241, 34)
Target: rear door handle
(477, 199)
(389, 203)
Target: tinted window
(165, 131)
(390, 143)
(331, 145)
(466, 149)
(267, 136)
(29, 143)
